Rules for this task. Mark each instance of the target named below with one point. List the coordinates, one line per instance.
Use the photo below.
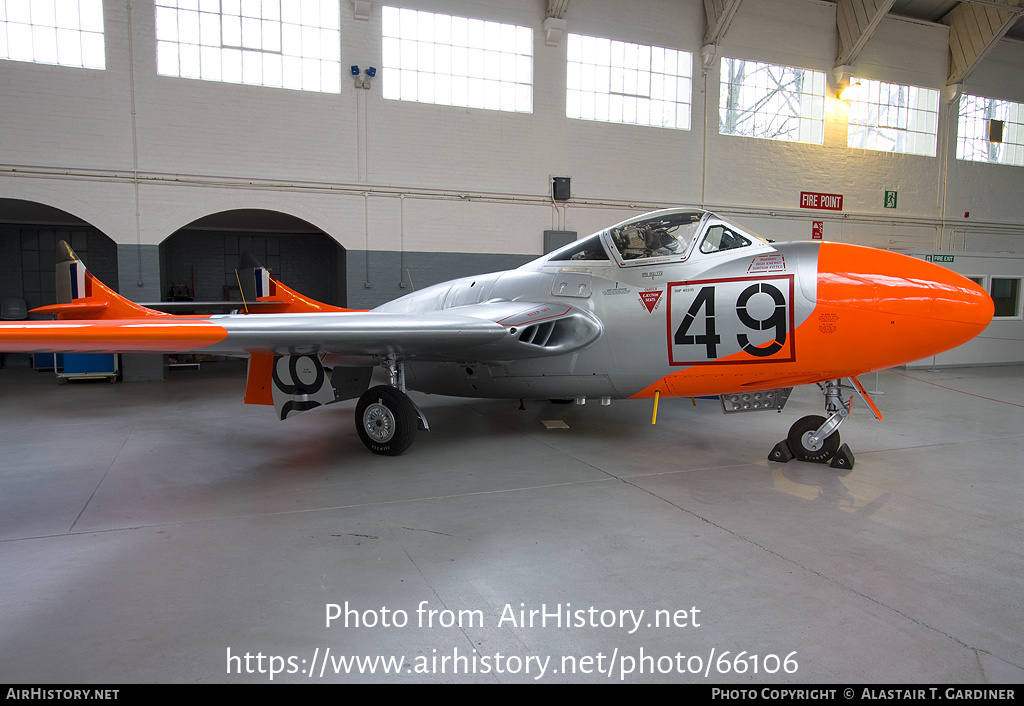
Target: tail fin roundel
(82, 296)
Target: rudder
(81, 296)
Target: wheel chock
(843, 458)
(781, 453)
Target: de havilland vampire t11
(675, 303)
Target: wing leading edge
(92, 318)
(288, 351)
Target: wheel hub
(379, 422)
(808, 444)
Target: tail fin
(82, 296)
(257, 284)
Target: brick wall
(205, 147)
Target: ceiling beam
(856, 21)
(973, 30)
(554, 22)
(557, 8)
(718, 16)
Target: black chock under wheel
(781, 453)
(843, 458)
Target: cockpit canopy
(662, 236)
(665, 233)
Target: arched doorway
(203, 256)
(29, 233)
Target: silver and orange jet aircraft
(675, 303)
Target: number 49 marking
(704, 300)
(717, 319)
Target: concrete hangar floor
(164, 532)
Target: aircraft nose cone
(910, 287)
(918, 308)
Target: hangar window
(771, 102)
(277, 43)
(65, 33)
(991, 131)
(458, 61)
(1005, 293)
(893, 118)
(620, 82)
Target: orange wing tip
(74, 310)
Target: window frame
(54, 39)
(1017, 312)
(645, 76)
(923, 104)
(971, 131)
(756, 94)
(230, 44)
(442, 59)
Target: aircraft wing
(219, 307)
(488, 331)
(491, 330)
(92, 318)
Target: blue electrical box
(90, 365)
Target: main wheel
(803, 449)
(386, 420)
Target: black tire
(821, 453)
(386, 420)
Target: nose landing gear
(816, 439)
(807, 443)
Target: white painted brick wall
(299, 146)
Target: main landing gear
(386, 418)
(816, 439)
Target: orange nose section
(909, 309)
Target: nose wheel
(805, 443)
(815, 438)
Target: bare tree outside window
(972, 141)
(772, 102)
